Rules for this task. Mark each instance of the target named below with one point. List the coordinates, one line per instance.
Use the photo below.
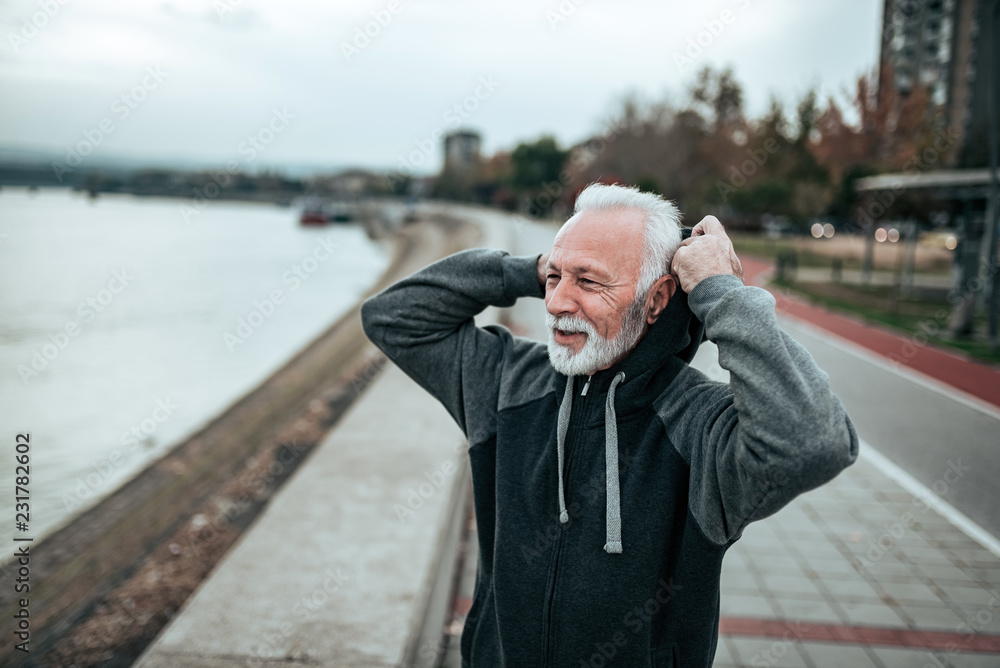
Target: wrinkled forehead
(610, 238)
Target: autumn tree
(533, 166)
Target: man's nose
(559, 299)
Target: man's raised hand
(543, 268)
(707, 252)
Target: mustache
(570, 324)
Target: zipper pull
(586, 386)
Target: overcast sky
(201, 76)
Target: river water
(126, 325)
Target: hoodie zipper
(572, 437)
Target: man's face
(592, 275)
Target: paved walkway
(859, 573)
(862, 572)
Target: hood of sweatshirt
(630, 385)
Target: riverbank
(125, 331)
(103, 586)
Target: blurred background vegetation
(706, 154)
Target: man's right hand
(707, 252)
(543, 269)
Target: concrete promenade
(333, 571)
(352, 562)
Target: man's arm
(777, 430)
(424, 323)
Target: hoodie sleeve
(776, 431)
(424, 323)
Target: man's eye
(553, 277)
(587, 281)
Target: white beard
(598, 352)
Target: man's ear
(659, 296)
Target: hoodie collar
(669, 342)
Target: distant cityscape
(228, 182)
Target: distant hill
(40, 159)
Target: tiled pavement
(862, 561)
(858, 574)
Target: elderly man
(609, 476)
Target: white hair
(661, 221)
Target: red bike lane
(910, 351)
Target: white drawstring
(614, 500)
(561, 427)
(613, 511)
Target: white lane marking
(928, 497)
(906, 373)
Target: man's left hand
(707, 252)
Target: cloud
(228, 69)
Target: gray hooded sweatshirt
(605, 504)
